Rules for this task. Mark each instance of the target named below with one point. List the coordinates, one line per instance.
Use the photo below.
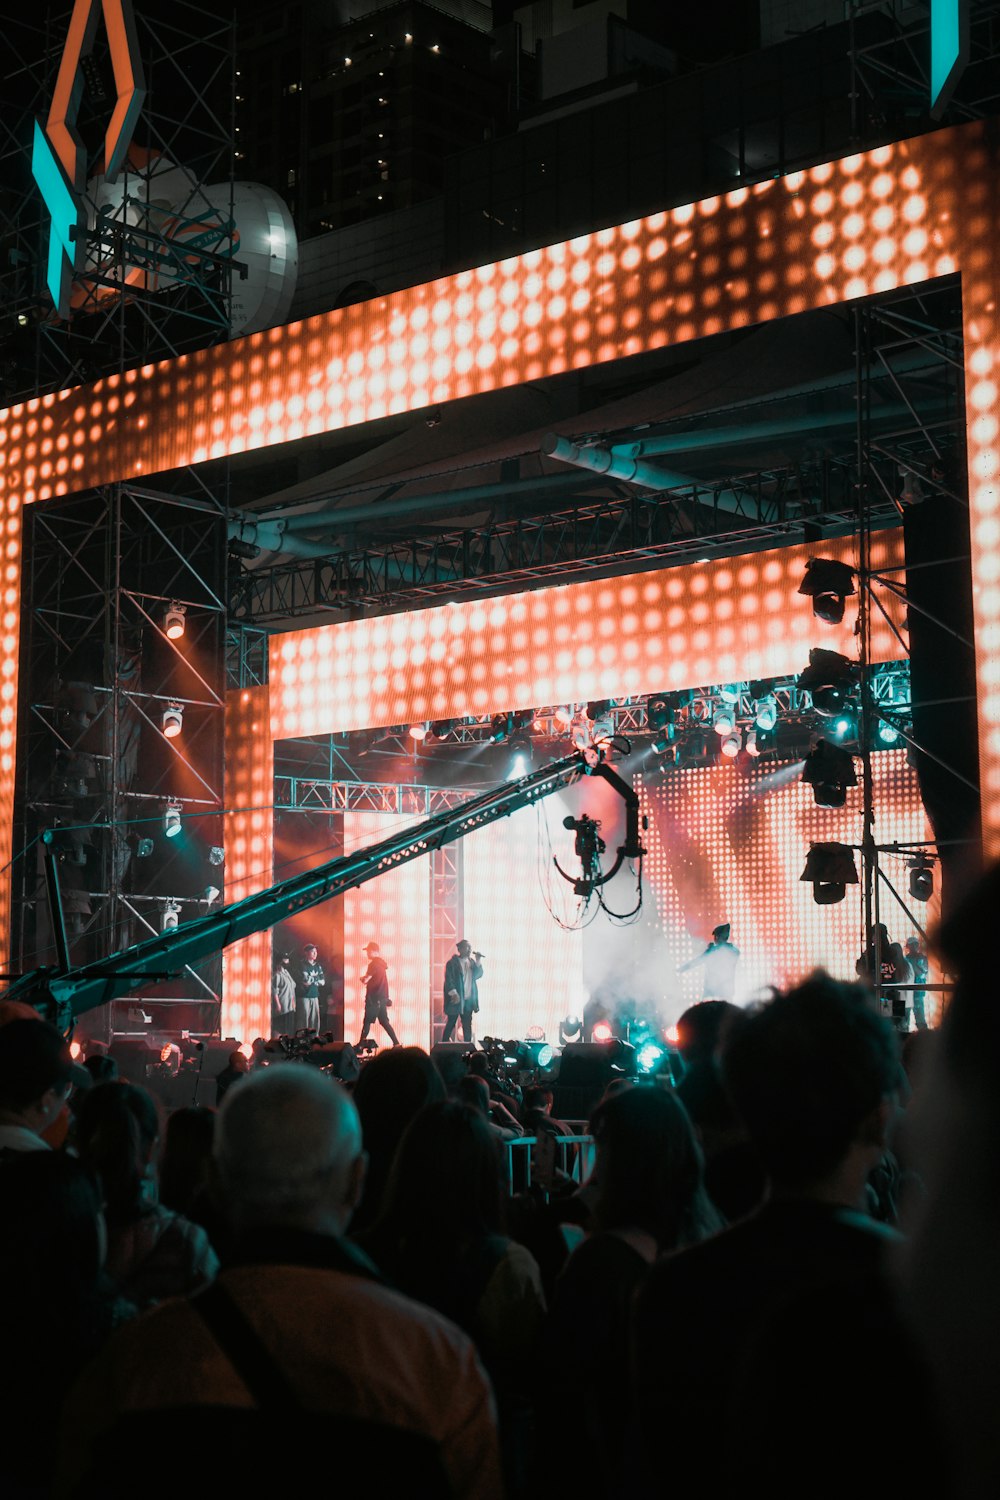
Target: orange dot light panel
(895, 216)
(660, 631)
(249, 842)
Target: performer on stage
(886, 959)
(462, 974)
(917, 960)
(283, 997)
(376, 982)
(720, 959)
(311, 976)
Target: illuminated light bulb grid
(717, 854)
(10, 619)
(249, 842)
(863, 224)
(723, 621)
(533, 969)
(393, 911)
(980, 256)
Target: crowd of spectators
(777, 1266)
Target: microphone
(476, 953)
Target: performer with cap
(720, 959)
(376, 982)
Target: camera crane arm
(64, 993)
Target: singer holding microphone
(462, 974)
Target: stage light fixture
(175, 621)
(169, 916)
(845, 728)
(172, 819)
(730, 693)
(441, 728)
(663, 741)
(829, 680)
(520, 764)
(887, 733)
(564, 715)
(829, 770)
(418, 732)
(216, 855)
(499, 725)
(210, 893)
(144, 848)
(602, 1032)
(237, 547)
(831, 869)
(650, 1057)
(723, 721)
(659, 711)
(598, 706)
(828, 584)
(922, 877)
(732, 744)
(570, 1030)
(173, 721)
(603, 729)
(766, 712)
(752, 743)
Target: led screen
(715, 622)
(393, 911)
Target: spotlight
(724, 721)
(521, 757)
(844, 728)
(570, 1030)
(730, 693)
(828, 584)
(172, 819)
(237, 547)
(602, 1032)
(174, 622)
(732, 744)
(831, 869)
(829, 680)
(650, 1057)
(922, 877)
(210, 893)
(564, 715)
(498, 728)
(659, 711)
(169, 916)
(216, 855)
(766, 712)
(829, 770)
(663, 742)
(441, 728)
(144, 848)
(418, 732)
(752, 745)
(173, 721)
(887, 733)
(597, 707)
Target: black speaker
(943, 682)
(449, 1059)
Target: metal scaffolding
(104, 687)
(159, 254)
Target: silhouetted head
(805, 1071)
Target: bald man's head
(288, 1151)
